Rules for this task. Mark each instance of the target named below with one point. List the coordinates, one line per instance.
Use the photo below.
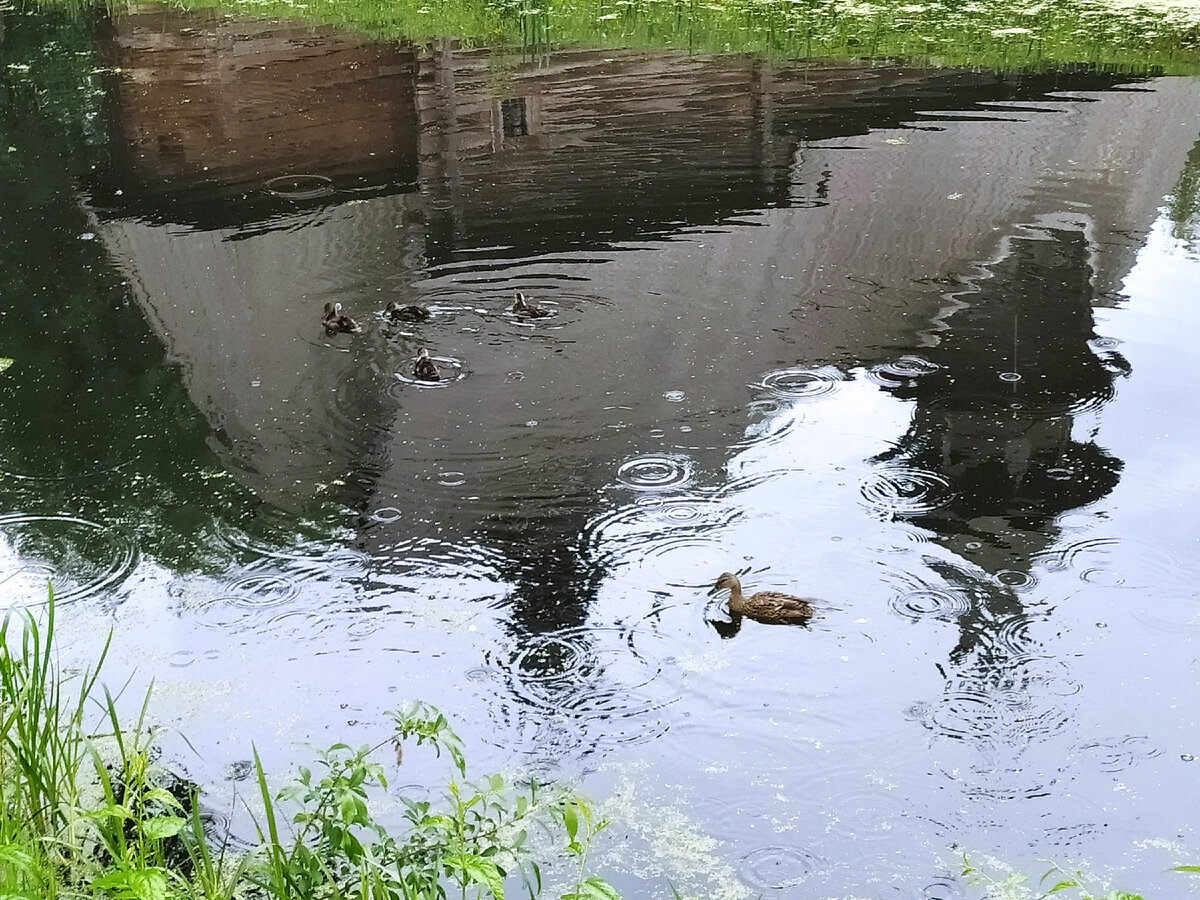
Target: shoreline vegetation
(88, 810)
(1154, 37)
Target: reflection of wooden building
(208, 100)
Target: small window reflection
(514, 117)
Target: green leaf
(113, 811)
(5, 362)
(1061, 886)
(1186, 869)
(135, 884)
(162, 827)
(598, 889)
(163, 796)
(479, 871)
(571, 821)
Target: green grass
(85, 811)
(1004, 35)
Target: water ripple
(1015, 635)
(776, 867)
(865, 812)
(1072, 835)
(800, 382)
(902, 372)
(585, 686)
(906, 491)
(274, 534)
(451, 369)
(931, 603)
(655, 472)
(948, 888)
(257, 591)
(1125, 565)
(776, 419)
(633, 529)
(1121, 754)
(81, 559)
(994, 715)
(299, 187)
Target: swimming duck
(398, 313)
(425, 369)
(526, 310)
(768, 607)
(336, 322)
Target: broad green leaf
(165, 797)
(162, 827)
(135, 884)
(1186, 869)
(479, 871)
(571, 821)
(149, 884)
(5, 362)
(598, 889)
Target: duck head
(727, 581)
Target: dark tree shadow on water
(997, 417)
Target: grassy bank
(1154, 36)
(86, 810)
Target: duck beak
(714, 590)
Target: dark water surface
(920, 344)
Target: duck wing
(426, 370)
(409, 314)
(771, 606)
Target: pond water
(917, 343)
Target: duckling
(526, 310)
(425, 369)
(398, 313)
(336, 322)
(768, 607)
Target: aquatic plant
(43, 749)
(85, 813)
(1001, 883)
(475, 839)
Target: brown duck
(425, 369)
(397, 313)
(527, 310)
(768, 607)
(336, 322)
